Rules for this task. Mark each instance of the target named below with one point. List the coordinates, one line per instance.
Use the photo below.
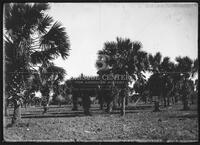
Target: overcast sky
(168, 28)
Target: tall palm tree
(31, 38)
(126, 58)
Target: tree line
(168, 80)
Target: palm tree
(195, 67)
(47, 79)
(196, 85)
(126, 58)
(161, 82)
(195, 70)
(155, 62)
(167, 68)
(155, 79)
(31, 38)
(184, 68)
(140, 87)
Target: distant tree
(140, 87)
(197, 84)
(47, 79)
(160, 82)
(195, 67)
(155, 79)
(184, 67)
(167, 69)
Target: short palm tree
(47, 79)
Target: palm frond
(110, 48)
(58, 39)
(164, 66)
(9, 48)
(22, 19)
(44, 23)
(184, 64)
(41, 6)
(136, 46)
(151, 60)
(158, 58)
(42, 56)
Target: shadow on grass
(73, 114)
(136, 107)
(191, 109)
(54, 111)
(20, 124)
(51, 115)
(190, 116)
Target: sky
(171, 29)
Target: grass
(139, 124)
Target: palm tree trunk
(25, 105)
(185, 103)
(124, 97)
(45, 109)
(109, 106)
(192, 99)
(75, 103)
(17, 112)
(86, 104)
(173, 102)
(44, 103)
(168, 101)
(156, 106)
(176, 99)
(119, 102)
(115, 102)
(123, 105)
(165, 102)
(145, 99)
(126, 100)
(101, 102)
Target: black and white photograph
(100, 72)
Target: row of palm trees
(124, 56)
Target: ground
(139, 124)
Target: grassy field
(139, 124)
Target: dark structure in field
(105, 90)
